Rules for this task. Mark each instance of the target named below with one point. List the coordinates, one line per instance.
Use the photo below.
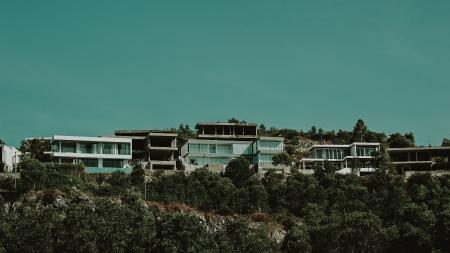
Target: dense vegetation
(61, 209)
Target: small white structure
(9, 157)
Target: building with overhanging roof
(229, 131)
(97, 154)
(218, 143)
(419, 159)
(346, 158)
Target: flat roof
(224, 124)
(209, 141)
(163, 134)
(141, 131)
(275, 138)
(345, 145)
(91, 139)
(417, 149)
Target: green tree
(137, 176)
(184, 134)
(119, 182)
(442, 230)
(397, 140)
(445, 142)
(182, 233)
(359, 131)
(238, 171)
(237, 236)
(296, 240)
(282, 158)
(35, 148)
(252, 197)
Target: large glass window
(270, 145)
(124, 148)
(89, 162)
(365, 151)
(88, 148)
(68, 147)
(265, 158)
(108, 148)
(224, 149)
(319, 153)
(108, 163)
(212, 148)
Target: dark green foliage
(37, 175)
(184, 133)
(282, 158)
(325, 212)
(119, 181)
(359, 131)
(445, 142)
(238, 237)
(35, 148)
(137, 176)
(297, 240)
(238, 171)
(397, 140)
(182, 233)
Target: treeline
(326, 212)
(360, 133)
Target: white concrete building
(345, 158)
(9, 157)
(98, 154)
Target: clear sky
(89, 67)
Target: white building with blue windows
(97, 154)
(356, 157)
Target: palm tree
(35, 149)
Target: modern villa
(416, 159)
(218, 143)
(345, 158)
(98, 154)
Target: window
(124, 148)
(68, 147)
(107, 163)
(270, 145)
(88, 148)
(212, 148)
(89, 162)
(319, 153)
(108, 148)
(224, 149)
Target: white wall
(10, 156)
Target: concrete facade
(218, 143)
(156, 149)
(419, 159)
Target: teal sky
(89, 67)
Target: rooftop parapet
(234, 131)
